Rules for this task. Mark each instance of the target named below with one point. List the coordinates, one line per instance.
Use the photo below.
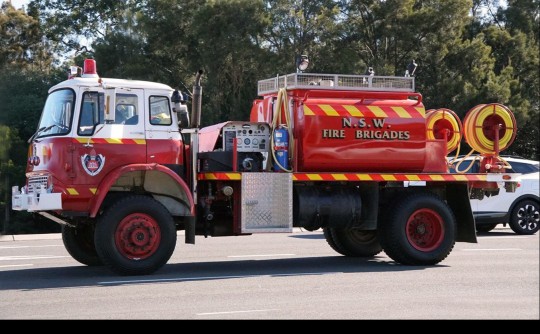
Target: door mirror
(110, 104)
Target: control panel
(250, 137)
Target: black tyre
(485, 227)
(419, 230)
(525, 218)
(135, 236)
(79, 242)
(353, 242)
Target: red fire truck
(123, 166)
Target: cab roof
(117, 83)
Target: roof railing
(336, 82)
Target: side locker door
(163, 139)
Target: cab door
(163, 140)
(101, 147)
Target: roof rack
(336, 82)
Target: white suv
(519, 209)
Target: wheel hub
(425, 230)
(529, 217)
(138, 236)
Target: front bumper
(40, 201)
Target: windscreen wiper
(40, 130)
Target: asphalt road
(276, 276)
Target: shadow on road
(307, 236)
(496, 234)
(69, 277)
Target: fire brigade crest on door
(93, 163)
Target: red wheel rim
(138, 236)
(425, 230)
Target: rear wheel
(420, 230)
(135, 236)
(485, 227)
(79, 242)
(525, 217)
(353, 242)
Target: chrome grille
(34, 182)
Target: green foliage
(468, 51)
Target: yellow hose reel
(444, 124)
(490, 128)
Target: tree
(21, 43)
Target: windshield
(57, 114)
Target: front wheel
(420, 230)
(524, 218)
(135, 236)
(353, 242)
(79, 242)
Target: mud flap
(189, 226)
(457, 196)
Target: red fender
(109, 180)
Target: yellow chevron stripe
(140, 141)
(113, 140)
(421, 110)
(234, 176)
(401, 112)
(387, 177)
(93, 190)
(72, 191)
(328, 110)
(378, 112)
(353, 111)
(340, 177)
(314, 177)
(436, 177)
(460, 177)
(412, 177)
(308, 112)
(364, 177)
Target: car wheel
(485, 228)
(525, 217)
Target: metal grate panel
(266, 202)
(336, 82)
(35, 182)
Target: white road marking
(492, 249)
(235, 312)
(14, 247)
(28, 257)
(261, 255)
(17, 265)
(178, 279)
(508, 237)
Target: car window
(464, 165)
(523, 168)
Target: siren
(90, 69)
(490, 128)
(444, 124)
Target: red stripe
(354, 177)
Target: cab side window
(91, 113)
(126, 109)
(160, 110)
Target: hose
(480, 125)
(282, 106)
(439, 120)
